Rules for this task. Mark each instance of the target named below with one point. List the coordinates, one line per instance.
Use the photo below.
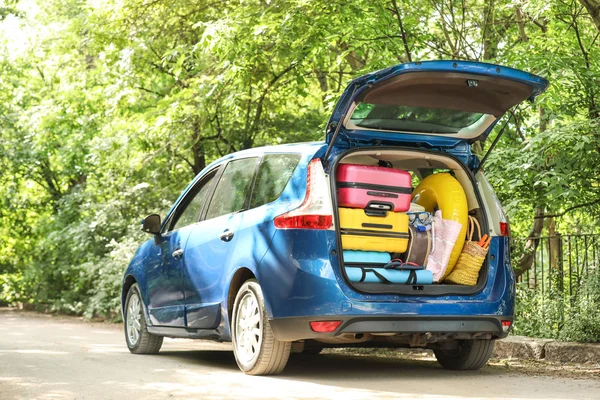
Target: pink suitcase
(381, 188)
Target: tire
(470, 355)
(137, 337)
(256, 350)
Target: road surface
(43, 357)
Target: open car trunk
(444, 105)
(420, 164)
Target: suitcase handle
(380, 205)
(377, 226)
(375, 213)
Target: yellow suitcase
(373, 232)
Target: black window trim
(216, 173)
(224, 166)
(251, 194)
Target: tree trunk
(323, 84)
(526, 260)
(554, 244)
(198, 148)
(396, 11)
(593, 8)
(521, 24)
(199, 158)
(490, 39)
(354, 61)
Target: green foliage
(556, 316)
(583, 325)
(535, 315)
(557, 168)
(108, 109)
(12, 288)
(104, 296)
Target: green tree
(108, 109)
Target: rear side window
(273, 175)
(233, 187)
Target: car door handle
(226, 236)
(177, 253)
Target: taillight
(504, 229)
(502, 217)
(506, 325)
(324, 326)
(315, 212)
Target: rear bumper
(298, 328)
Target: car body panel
(164, 279)
(206, 257)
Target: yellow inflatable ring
(447, 193)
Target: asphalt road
(43, 357)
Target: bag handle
(472, 224)
(377, 274)
(370, 212)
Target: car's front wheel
(139, 340)
(468, 355)
(256, 350)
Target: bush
(105, 296)
(11, 288)
(583, 325)
(91, 289)
(536, 315)
(555, 316)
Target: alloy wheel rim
(134, 319)
(248, 332)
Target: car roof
(299, 148)
(305, 148)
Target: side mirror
(151, 224)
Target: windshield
(412, 119)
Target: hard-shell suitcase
(365, 186)
(373, 230)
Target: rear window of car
(274, 172)
(413, 119)
(233, 187)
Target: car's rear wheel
(139, 340)
(468, 355)
(256, 350)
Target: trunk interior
(420, 164)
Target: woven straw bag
(466, 270)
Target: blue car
(251, 251)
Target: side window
(191, 210)
(273, 175)
(233, 187)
